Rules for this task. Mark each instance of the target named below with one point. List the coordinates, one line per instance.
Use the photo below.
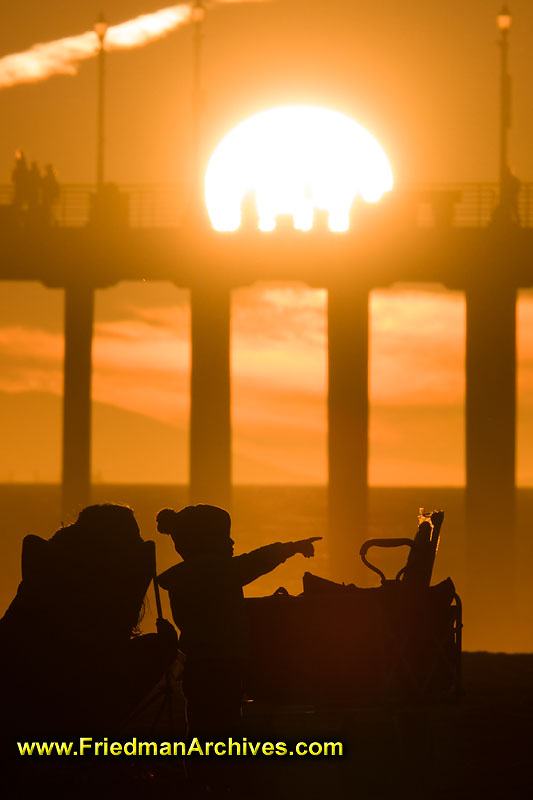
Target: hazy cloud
(279, 368)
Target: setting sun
(292, 161)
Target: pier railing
(465, 205)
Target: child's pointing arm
(259, 562)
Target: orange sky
(141, 356)
(421, 76)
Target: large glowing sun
(293, 160)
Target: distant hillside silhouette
(415, 445)
(127, 447)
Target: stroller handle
(382, 543)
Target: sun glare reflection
(292, 161)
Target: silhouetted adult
(20, 180)
(34, 192)
(50, 193)
(69, 659)
(507, 210)
(208, 607)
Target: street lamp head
(504, 19)
(100, 27)
(197, 11)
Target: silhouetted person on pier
(71, 659)
(50, 194)
(249, 216)
(34, 193)
(208, 607)
(507, 210)
(20, 179)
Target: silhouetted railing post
(76, 479)
(490, 457)
(210, 420)
(347, 425)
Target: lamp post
(504, 20)
(100, 28)
(197, 16)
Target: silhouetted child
(208, 607)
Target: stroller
(339, 644)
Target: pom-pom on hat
(166, 520)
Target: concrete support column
(76, 479)
(210, 417)
(490, 463)
(348, 427)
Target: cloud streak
(63, 56)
